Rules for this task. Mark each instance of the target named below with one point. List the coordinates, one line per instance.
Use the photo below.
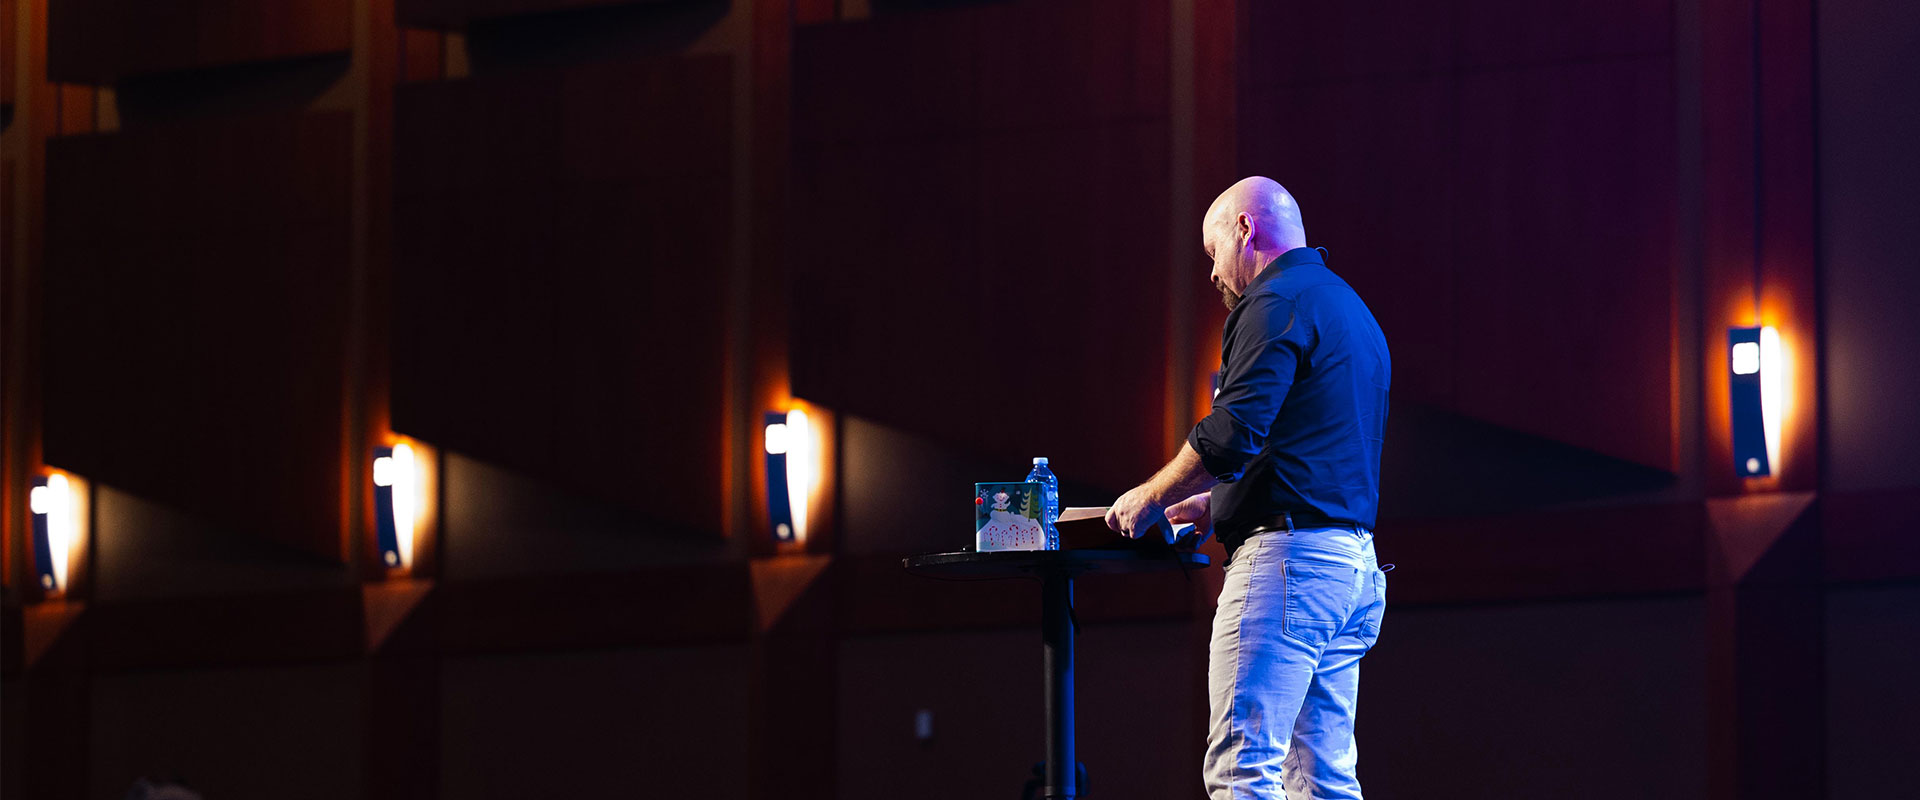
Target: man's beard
(1226, 295)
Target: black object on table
(1056, 570)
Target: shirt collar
(1297, 257)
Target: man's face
(1230, 258)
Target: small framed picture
(1007, 516)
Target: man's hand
(1197, 511)
(1136, 511)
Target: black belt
(1297, 520)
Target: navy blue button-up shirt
(1302, 406)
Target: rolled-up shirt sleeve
(1264, 344)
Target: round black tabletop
(1035, 563)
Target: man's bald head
(1275, 217)
(1247, 227)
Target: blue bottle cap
(1039, 459)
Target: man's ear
(1245, 224)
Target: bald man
(1293, 444)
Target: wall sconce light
(396, 502)
(1756, 392)
(54, 529)
(791, 468)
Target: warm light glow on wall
(793, 473)
(55, 528)
(397, 503)
(1774, 398)
(802, 469)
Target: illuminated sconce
(54, 529)
(1757, 392)
(396, 502)
(791, 464)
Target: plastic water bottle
(1049, 500)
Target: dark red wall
(561, 242)
(100, 41)
(1869, 71)
(195, 305)
(980, 239)
(459, 13)
(1498, 181)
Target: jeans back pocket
(1319, 598)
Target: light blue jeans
(1298, 611)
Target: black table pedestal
(1056, 635)
(1056, 570)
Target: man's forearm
(1181, 478)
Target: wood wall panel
(1140, 711)
(76, 110)
(980, 241)
(886, 297)
(999, 66)
(1301, 41)
(278, 627)
(1073, 260)
(1494, 33)
(561, 251)
(1566, 209)
(1309, 42)
(1591, 552)
(422, 55)
(228, 732)
(812, 12)
(644, 723)
(103, 41)
(1872, 636)
(1582, 688)
(1073, 62)
(196, 292)
(1499, 182)
(1869, 535)
(1868, 74)
(459, 13)
(913, 75)
(658, 606)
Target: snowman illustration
(1006, 529)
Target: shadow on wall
(903, 489)
(905, 493)
(285, 86)
(594, 34)
(1440, 464)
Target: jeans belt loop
(1289, 516)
